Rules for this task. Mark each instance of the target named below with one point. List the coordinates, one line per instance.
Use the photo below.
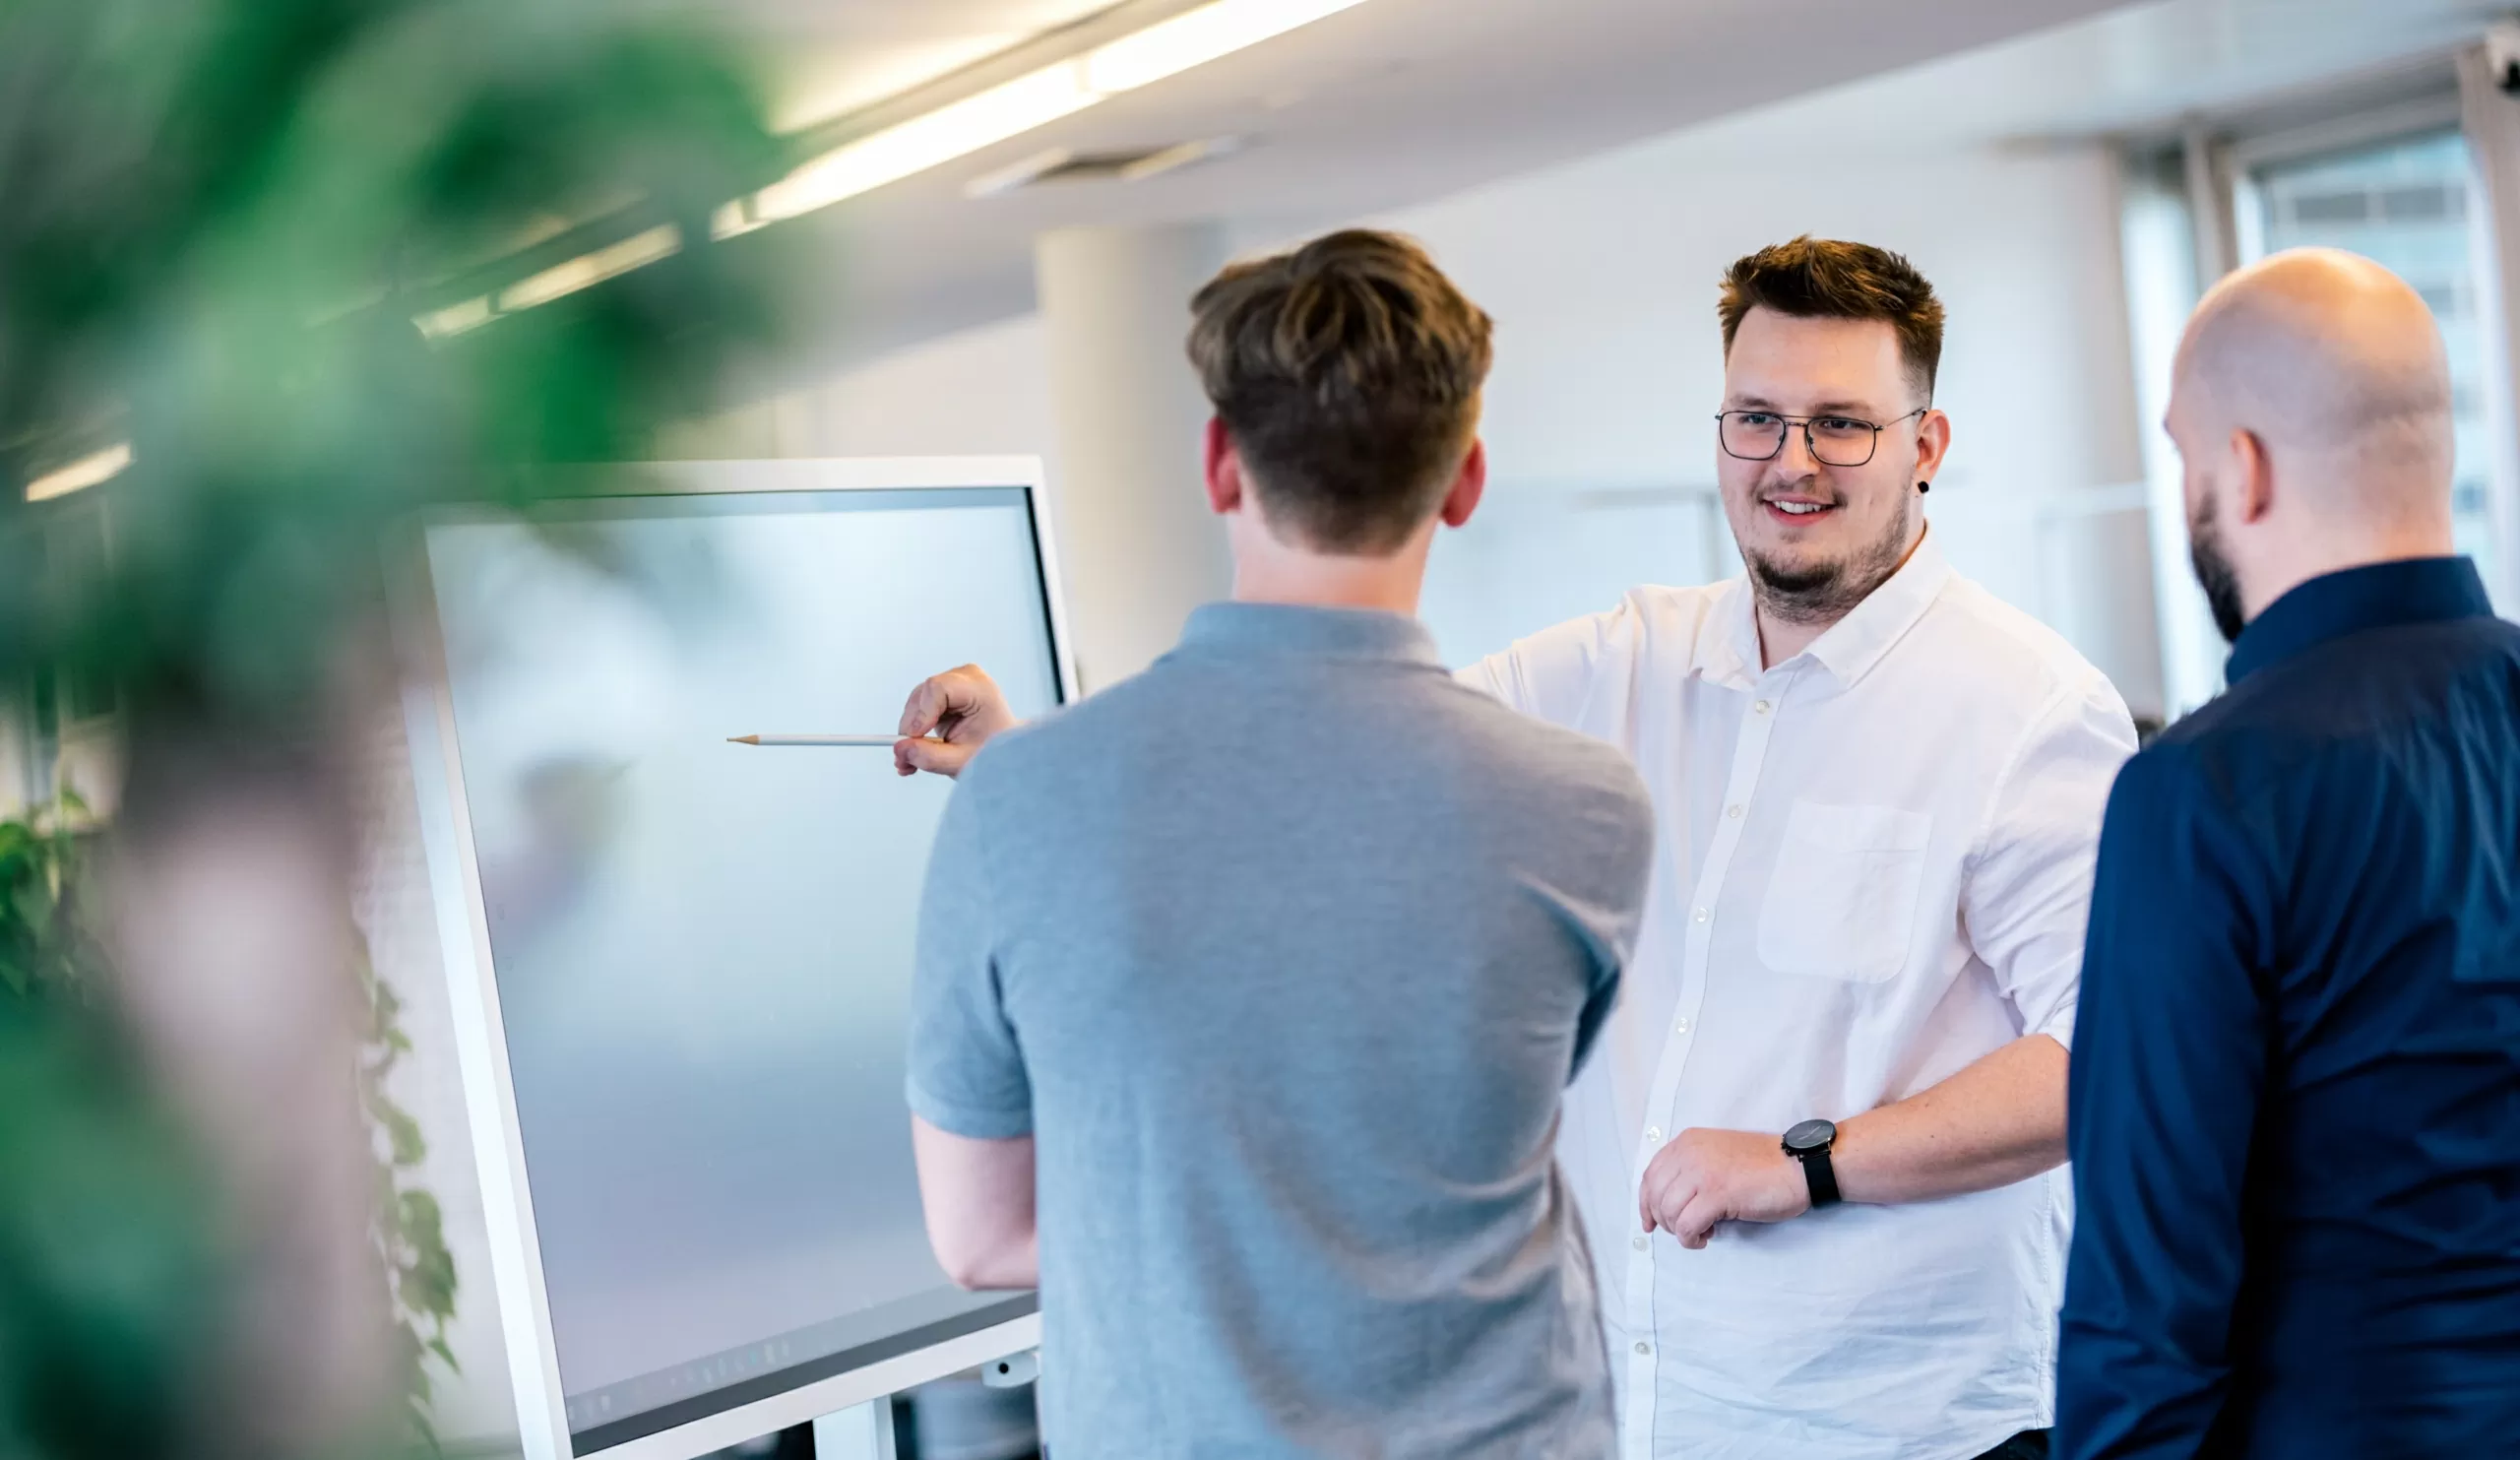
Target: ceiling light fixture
(83, 473)
(957, 129)
(1166, 48)
(1197, 37)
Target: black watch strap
(1821, 1177)
(1809, 1143)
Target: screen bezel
(700, 1424)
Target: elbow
(1006, 1261)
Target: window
(2405, 202)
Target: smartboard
(681, 965)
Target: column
(1138, 548)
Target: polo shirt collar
(2422, 589)
(1290, 628)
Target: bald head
(2335, 366)
(2312, 408)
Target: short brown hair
(1347, 374)
(1827, 279)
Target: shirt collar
(2423, 589)
(1728, 646)
(1851, 645)
(1290, 628)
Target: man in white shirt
(1878, 793)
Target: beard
(1826, 592)
(2214, 572)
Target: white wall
(977, 392)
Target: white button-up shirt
(1874, 867)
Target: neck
(1267, 571)
(2359, 546)
(1782, 635)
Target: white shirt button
(1645, 1348)
(1652, 1133)
(1761, 706)
(1733, 811)
(1682, 1027)
(1638, 1243)
(1700, 916)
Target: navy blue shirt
(2295, 1090)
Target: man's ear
(1470, 485)
(1224, 468)
(1933, 443)
(2255, 471)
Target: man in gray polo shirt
(1271, 1033)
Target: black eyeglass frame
(1810, 443)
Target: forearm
(2000, 1120)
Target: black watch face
(1812, 1135)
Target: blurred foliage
(219, 220)
(411, 1232)
(223, 216)
(46, 937)
(108, 1283)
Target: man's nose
(1794, 458)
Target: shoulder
(2000, 646)
(1549, 672)
(1557, 771)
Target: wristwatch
(1809, 1143)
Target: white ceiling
(1401, 100)
(2141, 70)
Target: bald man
(2294, 1098)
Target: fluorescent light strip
(662, 241)
(83, 473)
(1166, 48)
(923, 142)
(1197, 37)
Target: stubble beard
(2214, 572)
(1825, 592)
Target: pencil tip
(743, 739)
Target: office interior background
(2068, 173)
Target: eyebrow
(1862, 408)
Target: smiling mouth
(1800, 511)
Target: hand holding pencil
(948, 718)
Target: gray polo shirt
(1283, 952)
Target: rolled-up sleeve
(2161, 1102)
(2027, 899)
(967, 1073)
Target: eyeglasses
(1835, 440)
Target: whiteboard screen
(702, 950)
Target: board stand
(865, 1431)
(862, 1431)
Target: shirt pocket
(1841, 897)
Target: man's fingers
(1667, 1188)
(1696, 1220)
(929, 706)
(912, 755)
(945, 701)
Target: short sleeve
(2027, 902)
(967, 1074)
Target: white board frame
(481, 1036)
